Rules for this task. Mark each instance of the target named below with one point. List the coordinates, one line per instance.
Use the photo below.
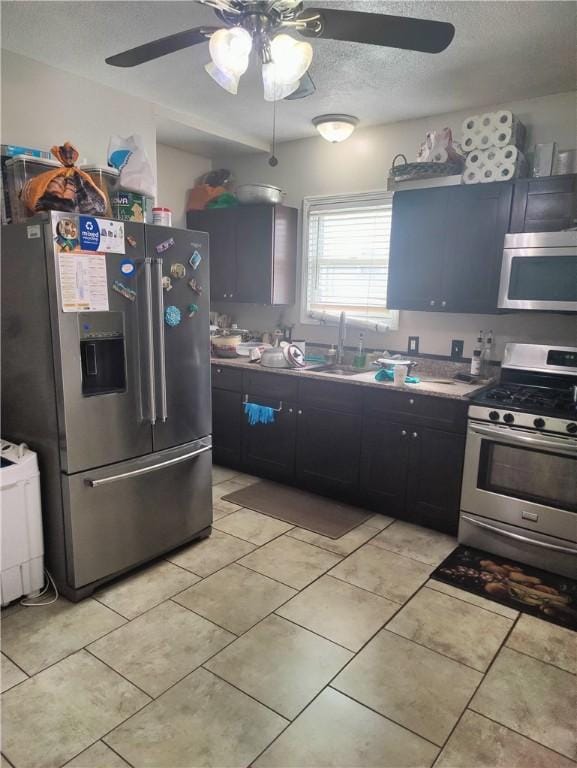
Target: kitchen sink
(337, 370)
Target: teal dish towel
(386, 374)
(258, 414)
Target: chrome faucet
(341, 341)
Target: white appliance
(539, 271)
(21, 523)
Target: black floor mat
(522, 587)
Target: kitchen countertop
(457, 390)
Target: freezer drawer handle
(145, 470)
(526, 539)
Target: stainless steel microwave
(539, 271)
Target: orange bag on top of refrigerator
(64, 189)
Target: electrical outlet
(457, 349)
(413, 345)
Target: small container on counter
(19, 170)
(162, 217)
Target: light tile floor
(273, 647)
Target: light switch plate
(457, 346)
(413, 345)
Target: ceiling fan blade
(306, 88)
(161, 47)
(379, 29)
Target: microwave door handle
(518, 537)
(161, 345)
(150, 339)
(511, 437)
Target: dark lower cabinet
(226, 427)
(412, 473)
(328, 451)
(384, 462)
(434, 478)
(269, 450)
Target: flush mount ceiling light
(260, 25)
(335, 128)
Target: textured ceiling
(501, 51)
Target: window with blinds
(346, 245)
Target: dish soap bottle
(486, 354)
(476, 359)
(360, 359)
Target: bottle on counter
(486, 355)
(360, 359)
(476, 359)
(331, 355)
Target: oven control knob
(508, 418)
(539, 423)
(494, 415)
(571, 428)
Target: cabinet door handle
(411, 401)
(225, 295)
(432, 303)
(219, 370)
(300, 413)
(290, 410)
(443, 303)
(404, 432)
(230, 295)
(415, 434)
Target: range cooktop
(549, 401)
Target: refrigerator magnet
(172, 316)
(178, 270)
(131, 240)
(167, 283)
(195, 260)
(165, 245)
(194, 286)
(192, 309)
(127, 267)
(128, 293)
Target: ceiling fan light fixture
(291, 58)
(335, 128)
(230, 50)
(273, 89)
(227, 80)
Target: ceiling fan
(262, 25)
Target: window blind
(347, 248)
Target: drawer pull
(411, 401)
(404, 432)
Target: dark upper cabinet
(434, 478)
(544, 205)
(446, 247)
(252, 252)
(479, 218)
(418, 234)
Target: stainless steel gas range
(519, 496)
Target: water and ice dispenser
(102, 352)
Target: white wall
(315, 167)
(177, 172)
(43, 106)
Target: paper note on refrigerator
(83, 283)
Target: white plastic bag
(129, 157)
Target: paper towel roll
(509, 153)
(472, 176)
(506, 171)
(487, 121)
(503, 136)
(471, 124)
(475, 159)
(489, 173)
(493, 155)
(469, 142)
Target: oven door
(539, 278)
(521, 478)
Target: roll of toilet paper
(485, 139)
(469, 141)
(493, 155)
(471, 124)
(472, 176)
(489, 173)
(503, 136)
(487, 121)
(438, 155)
(475, 159)
(504, 118)
(506, 171)
(509, 153)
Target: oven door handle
(509, 436)
(518, 537)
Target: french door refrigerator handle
(161, 353)
(150, 339)
(145, 470)
(518, 537)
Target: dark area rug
(526, 589)
(291, 505)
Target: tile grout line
(482, 607)
(542, 661)
(250, 696)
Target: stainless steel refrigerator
(103, 379)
